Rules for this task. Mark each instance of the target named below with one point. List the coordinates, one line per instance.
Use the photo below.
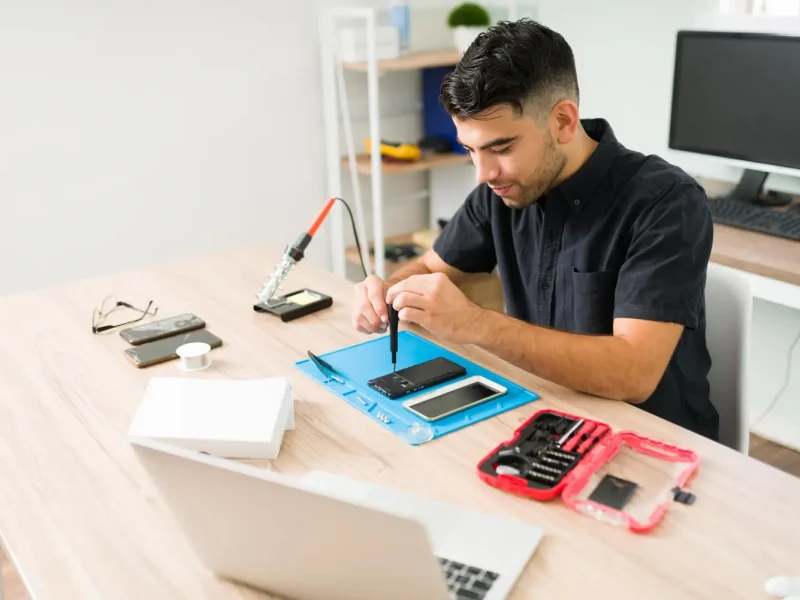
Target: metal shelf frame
(335, 103)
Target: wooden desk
(82, 520)
(750, 251)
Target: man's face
(517, 158)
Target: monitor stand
(750, 190)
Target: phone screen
(165, 349)
(162, 328)
(453, 401)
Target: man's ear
(565, 119)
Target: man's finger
(367, 310)
(416, 284)
(362, 323)
(368, 315)
(378, 303)
(408, 299)
(412, 315)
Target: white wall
(624, 52)
(625, 58)
(134, 133)
(140, 132)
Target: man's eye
(502, 150)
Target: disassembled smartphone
(163, 350)
(419, 377)
(454, 398)
(158, 330)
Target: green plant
(468, 14)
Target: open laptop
(328, 537)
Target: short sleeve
(466, 242)
(664, 274)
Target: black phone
(164, 328)
(163, 350)
(419, 377)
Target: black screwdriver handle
(394, 321)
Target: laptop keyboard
(466, 582)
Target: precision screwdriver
(394, 321)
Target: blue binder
(370, 359)
(435, 120)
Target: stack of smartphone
(158, 341)
(443, 401)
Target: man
(602, 251)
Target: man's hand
(434, 302)
(370, 312)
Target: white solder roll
(194, 356)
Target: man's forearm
(599, 365)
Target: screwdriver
(394, 320)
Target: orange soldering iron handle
(321, 216)
(296, 250)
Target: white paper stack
(224, 417)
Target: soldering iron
(294, 253)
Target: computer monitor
(737, 96)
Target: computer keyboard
(727, 211)
(465, 581)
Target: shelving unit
(364, 164)
(370, 164)
(411, 61)
(351, 253)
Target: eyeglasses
(109, 305)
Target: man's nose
(486, 168)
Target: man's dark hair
(522, 63)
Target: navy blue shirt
(627, 236)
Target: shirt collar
(578, 189)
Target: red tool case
(624, 479)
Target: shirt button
(545, 286)
(577, 202)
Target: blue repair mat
(365, 361)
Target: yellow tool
(397, 150)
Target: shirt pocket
(592, 295)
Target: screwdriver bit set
(546, 449)
(621, 478)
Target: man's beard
(542, 179)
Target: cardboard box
(223, 417)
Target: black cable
(355, 234)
